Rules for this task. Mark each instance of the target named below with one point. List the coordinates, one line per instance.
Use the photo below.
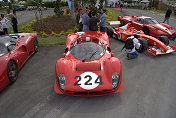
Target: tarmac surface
(149, 88)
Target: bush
(43, 34)
(62, 33)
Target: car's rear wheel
(35, 46)
(146, 30)
(164, 39)
(122, 23)
(109, 31)
(12, 71)
(144, 45)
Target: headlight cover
(61, 81)
(115, 80)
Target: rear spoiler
(114, 22)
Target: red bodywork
(154, 30)
(23, 50)
(105, 66)
(155, 46)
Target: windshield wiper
(90, 56)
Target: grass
(10, 30)
(52, 41)
(116, 13)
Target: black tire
(146, 30)
(122, 23)
(144, 45)
(12, 71)
(164, 39)
(35, 46)
(109, 31)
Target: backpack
(129, 44)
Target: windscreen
(3, 50)
(150, 21)
(87, 51)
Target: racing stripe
(164, 28)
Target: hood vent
(88, 66)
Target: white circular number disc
(84, 80)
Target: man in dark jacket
(14, 23)
(79, 20)
(167, 16)
(93, 22)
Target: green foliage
(62, 33)
(58, 11)
(49, 4)
(75, 29)
(43, 34)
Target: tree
(57, 8)
(72, 10)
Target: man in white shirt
(131, 44)
(1, 29)
(4, 22)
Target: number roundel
(88, 80)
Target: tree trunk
(72, 10)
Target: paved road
(24, 16)
(149, 90)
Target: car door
(22, 54)
(138, 24)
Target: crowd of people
(88, 21)
(4, 23)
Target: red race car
(15, 50)
(148, 25)
(88, 67)
(148, 43)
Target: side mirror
(63, 55)
(112, 55)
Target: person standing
(4, 22)
(121, 6)
(93, 22)
(14, 12)
(85, 20)
(1, 29)
(102, 21)
(167, 15)
(14, 23)
(79, 20)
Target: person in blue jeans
(85, 20)
(131, 44)
(102, 21)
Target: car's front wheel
(12, 71)
(146, 30)
(144, 45)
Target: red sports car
(15, 50)
(150, 44)
(148, 25)
(88, 67)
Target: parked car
(88, 67)
(148, 25)
(20, 8)
(15, 50)
(148, 43)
